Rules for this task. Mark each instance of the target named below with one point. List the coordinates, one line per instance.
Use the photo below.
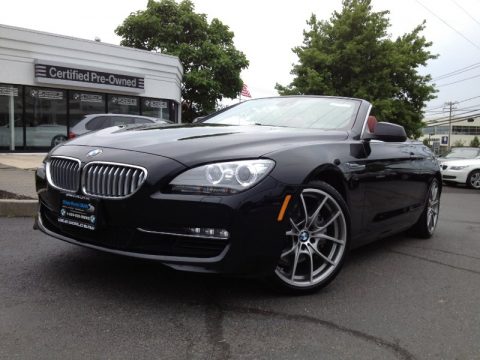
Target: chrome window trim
(49, 175)
(87, 165)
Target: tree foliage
(211, 63)
(475, 142)
(353, 55)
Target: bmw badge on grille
(94, 152)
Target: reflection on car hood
(198, 143)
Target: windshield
(298, 112)
(463, 153)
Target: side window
(142, 121)
(100, 122)
(121, 120)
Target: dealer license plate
(79, 211)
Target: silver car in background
(93, 122)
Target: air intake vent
(111, 180)
(64, 173)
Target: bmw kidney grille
(99, 179)
(64, 173)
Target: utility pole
(451, 107)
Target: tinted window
(83, 103)
(100, 122)
(45, 116)
(142, 121)
(122, 120)
(156, 108)
(123, 105)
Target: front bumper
(457, 176)
(148, 225)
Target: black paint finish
(384, 184)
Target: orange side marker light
(281, 214)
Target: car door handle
(355, 166)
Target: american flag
(245, 91)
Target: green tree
(211, 63)
(475, 142)
(353, 55)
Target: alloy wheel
(433, 206)
(316, 241)
(475, 180)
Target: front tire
(317, 240)
(473, 179)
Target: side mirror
(389, 132)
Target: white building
(49, 82)
(464, 130)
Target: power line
(450, 26)
(459, 101)
(455, 73)
(466, 12)
(447, 117)
(454, 121)
(458, 109)
(461, 80)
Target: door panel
(392, 188)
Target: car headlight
(222, 178)
(458, 167)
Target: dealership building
(49, 82)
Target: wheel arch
(332, 176)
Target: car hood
(199, 143)
(461, 162)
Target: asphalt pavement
(399, 298)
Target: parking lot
(400, 298)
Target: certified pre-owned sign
(64, 74)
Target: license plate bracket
(79, 211)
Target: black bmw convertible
(280, 188)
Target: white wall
(20, 47)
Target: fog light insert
(209, 233)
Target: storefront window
(118, 104)
(11, 113)
(45, 116)
(83, 103)
(156, 108)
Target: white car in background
(42, 135)
(461, 171)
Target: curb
(18, 208)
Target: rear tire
(473, 180)
(317, 241)
(58, 139)
(426, 224)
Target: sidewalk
(17, 184)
